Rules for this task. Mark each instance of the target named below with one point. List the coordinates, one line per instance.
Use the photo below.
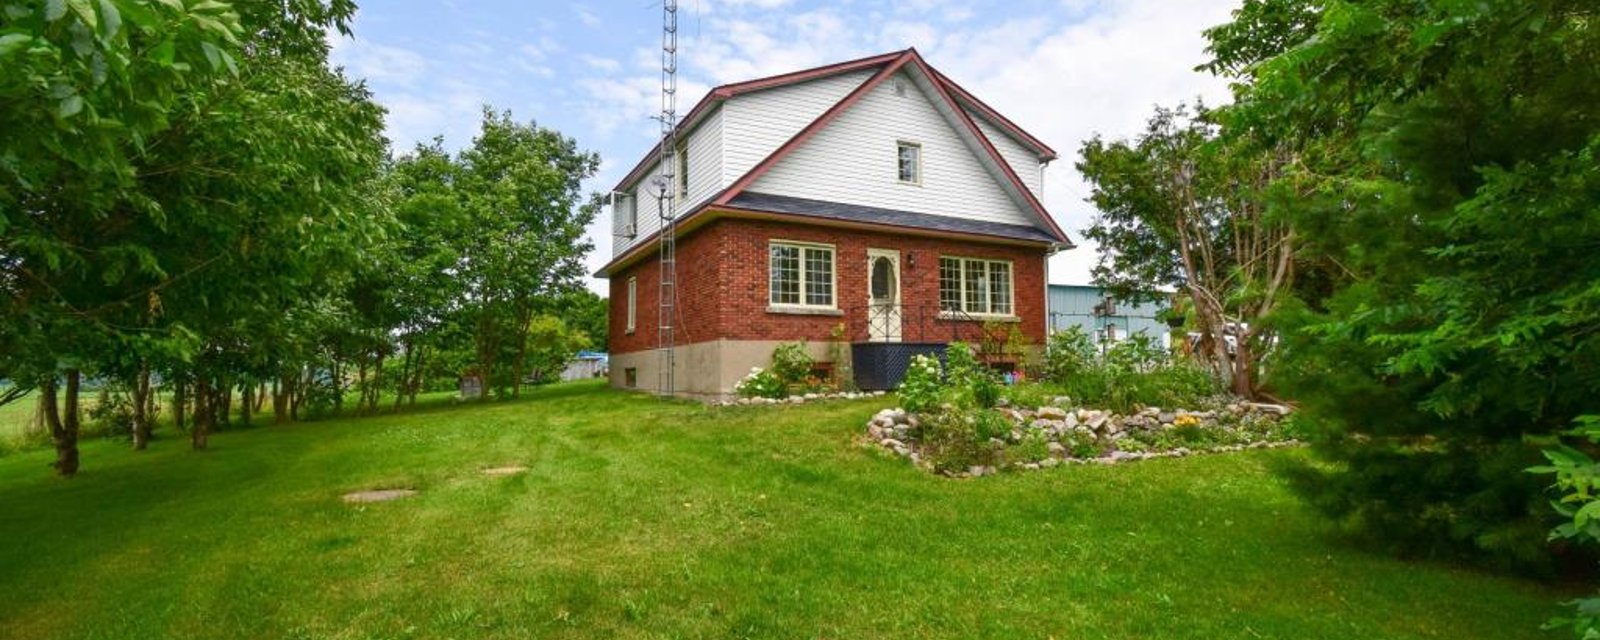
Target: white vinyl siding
(853, 161)
(704, 153)
(800, 275)
(1024, 162)
(756, 124)
(976, 286)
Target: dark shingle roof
(873, 215)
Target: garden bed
(960, 442)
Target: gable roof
(909, 59)
(721, 93)
(956, 99)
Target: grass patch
(642, 518)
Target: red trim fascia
(723, 92)
(995, 117)
(988, 146)
(811, 129)
(793, 77)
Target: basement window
(910, 161)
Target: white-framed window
(909, 157)
(683, 174)
(976, 286)
(633, 303)
(800, 274)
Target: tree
(1447, 154)
(522, 187)
(1184, 208)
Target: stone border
(894, 430)
(802, 399)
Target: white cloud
(587, 17)
(379, 63)
(599, 63)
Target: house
(873, 202)
(1106, 320)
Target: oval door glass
(882, 280)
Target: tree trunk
(203, 413)
(405, 374)
(247, 402)
(280, 398)
(180, 401)
(63, 429)
(417, 376)
(223, 407)
(141, 408)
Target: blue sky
(1063, 69)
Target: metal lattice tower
(667, 199)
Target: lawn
(643, 518)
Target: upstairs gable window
(910, 161)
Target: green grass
(642, 518)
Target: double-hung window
(800, 275)
(909, 158)
(975, 286)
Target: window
(630, 377)
(683, 174)
(800, 275)
(910, 155)
(633, 300)
(975, 286)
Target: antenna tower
(667, 198)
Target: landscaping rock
(1052, 413)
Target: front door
(884, 315)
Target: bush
(760, 383)
(1068, 353)
(1578, 478)
(953, 440)
(921, 389)
(791, 364)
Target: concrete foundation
(707, 370)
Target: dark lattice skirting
(880, 366)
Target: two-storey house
(873, 201)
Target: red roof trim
(961, 114)
(723, 92)
(995, 117)
(805, 74)
(811, 129)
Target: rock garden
(1131, 403)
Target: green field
(643, 518)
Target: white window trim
(633, 304)
(900, 144)
(681, 182)
(833, 271)
(961, 287)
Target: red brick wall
(723, 270)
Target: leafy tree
(524, 201)
(1446, 155)
(1182, 207)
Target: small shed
(1105, 319)
(586, 365)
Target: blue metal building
(1085, 306)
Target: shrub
(952, 441)
(1035, 446)
(760, 383)
(791, 364)
(921, 388)
(1068, 353)
(1578, 478)
(985, 392)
